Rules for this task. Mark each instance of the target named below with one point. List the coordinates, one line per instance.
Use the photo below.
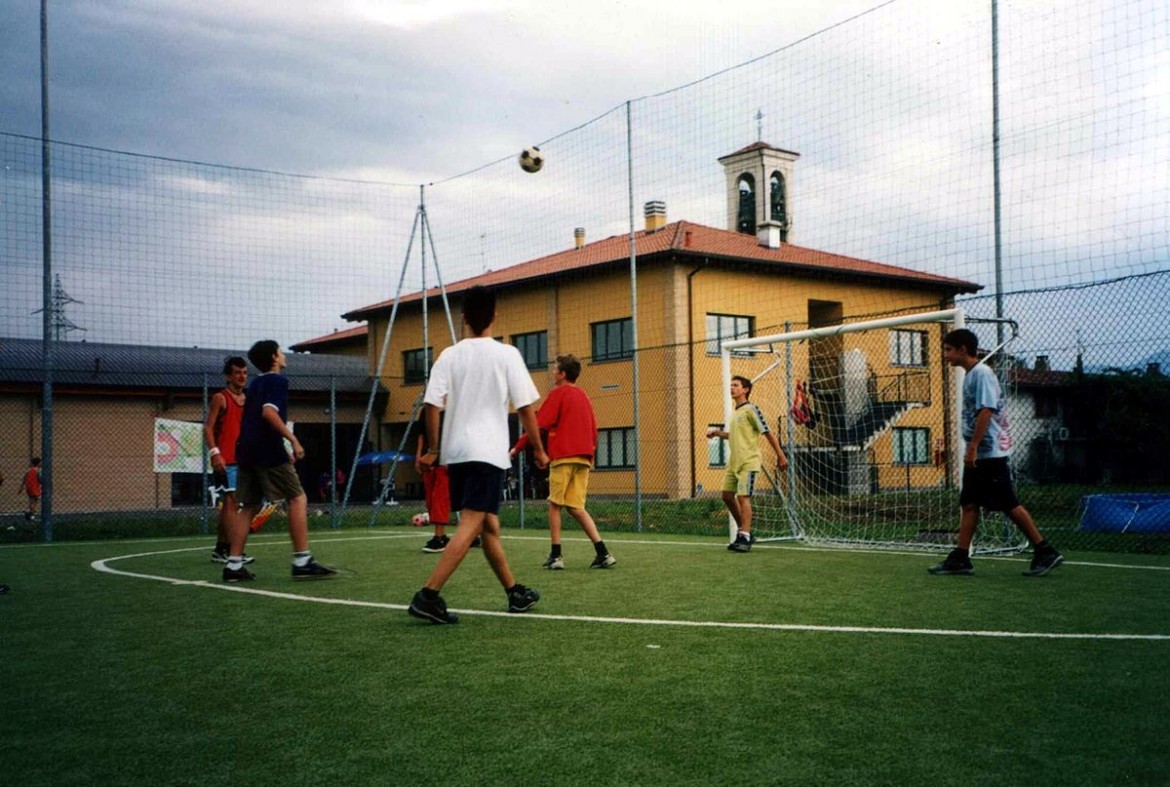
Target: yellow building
(697, 285)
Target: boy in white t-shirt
(472, 383)
(987, 476)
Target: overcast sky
(890, 112)
(392, 90)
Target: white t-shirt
(473, 381)
(981, 390)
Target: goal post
(868, 415)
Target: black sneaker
(522, 599)
(435, 611)
(955, 563)
(742, 543)
(604, 561)
(556, 563)
(238, 575)
(1043, 562)
(312, 570)
(436, 544)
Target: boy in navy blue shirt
(265, 467)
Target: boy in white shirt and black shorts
(472, 383)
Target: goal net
(868, 416)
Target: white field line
(103, 566)
(256, 540)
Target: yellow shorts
(567, 483)
(742, 481)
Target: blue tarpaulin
(384, 457)
(1139, 512)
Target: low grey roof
(130, 366)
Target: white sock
(302, 559)
(235, 562)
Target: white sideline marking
(102, 566)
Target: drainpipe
(691, 363)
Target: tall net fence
(855, 164)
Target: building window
(745, 220)
(908, 348)
(721, 327)
(779, 204)
(416, 364)
(1045, 405)
(533, 347)
(615, 448)
(911, 446)
(613, 339)
(716, 449)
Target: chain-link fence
(857, 163)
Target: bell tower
(759, 192)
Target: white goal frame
(954, 316)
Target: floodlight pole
(998, 227)
(46, 291)
(634, 321)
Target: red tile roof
(353, 335)
(687, 239)
(757, 146)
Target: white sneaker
(555, 563)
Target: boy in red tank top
(220, 431)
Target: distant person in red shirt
(220, 431)
(567, 415)
(31, 486)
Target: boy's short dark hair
(479, 308)
(963, 339)
(744, 382)
(570, 365)
(36, 460)
(233, 362)
(262, 354)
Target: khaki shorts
(255, 483)
(567, 484)
(742, 481)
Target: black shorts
(989, 485)
(476, 486)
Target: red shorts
(438, 493)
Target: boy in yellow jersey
(747, 425)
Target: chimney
(768, 234)
(1153, 368)
(1041, 363)
(655, 215)
(579, 237)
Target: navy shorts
(989, 485)
(476, 485)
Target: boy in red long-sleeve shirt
(567, 415)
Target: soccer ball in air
(531, 159)
(418, 520)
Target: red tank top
(227, 427)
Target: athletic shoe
(555, 563)
(742, 543)
(222, 557)
(1043, 562)
(435, 611)
(603, 561)
(313, 570)
(522, 599)
(239, 575)
(955, 563)
(436, 544)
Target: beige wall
(103, 447)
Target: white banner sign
(178, 446)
